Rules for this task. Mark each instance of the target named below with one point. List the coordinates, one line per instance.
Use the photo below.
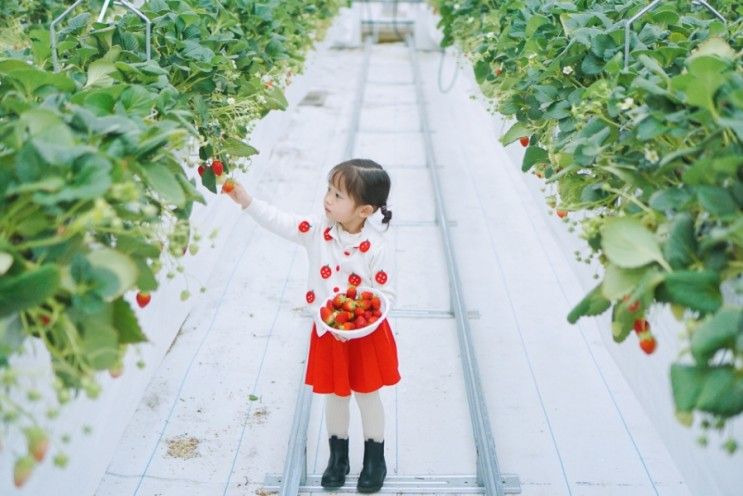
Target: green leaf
(114, 271)
(629, 244)
(515, 132)
(686, 384)
(705, 76)
(534, 155)
(716, 200)
(47, 128)
(722, 392)
(698, 290)
(719, 331)
(29, 289)
(126, 323)
(681, 246)
(100, 346)
(593, 303)
(238, 148)
(670, 199)
(619, 282)
(162, 180)
(99, 73)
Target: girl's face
(340, 207)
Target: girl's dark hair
(366, 182)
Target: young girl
(345, 249)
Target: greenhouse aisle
(217, 415)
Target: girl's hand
(240, 196)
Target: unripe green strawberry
(22, 470)
(38, 442)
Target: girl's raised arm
(293, 227)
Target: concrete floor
(563, 418)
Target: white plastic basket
(364, 331)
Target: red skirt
(362, 365)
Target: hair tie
(386, 214)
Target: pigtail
(386, 215)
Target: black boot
(374, 470)
(338, 466)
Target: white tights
(372, 415)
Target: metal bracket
(648, 8)
(101, 17)
(401, 484)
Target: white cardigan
(336, 258)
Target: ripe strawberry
(342, 317)
(364, 304)
(200, 169)
(326, 314)
(524, 140)
(217, 167)
(367, 314)
(373, 319)
(561, 213)
(351, 292)
(359, 312)
(377, 313)
(641, 325)
(228, 186)
(367, 295)
(22, 470)
(376, 304)
(361, 322)
(38, 442)
(349, 306)
(329, 305)
(648, 343)
(143, 298)
(348, 326)
(339, 300)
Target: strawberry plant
(94, 199)
(650, 154)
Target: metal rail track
(488, 479)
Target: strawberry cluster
(352, 310)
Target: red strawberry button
(347, 253)
(310, 296)
(325, 272)
(354, 280)
(326, 234)
(381, 277)
(364, 246)
(304, 226)
(337, 268)
(336, 289)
